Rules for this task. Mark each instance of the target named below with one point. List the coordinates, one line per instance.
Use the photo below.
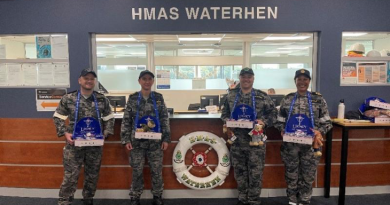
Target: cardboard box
(380, 105)
(382, 120)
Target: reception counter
(31, 157)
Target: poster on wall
(348, 73)
(388, 73)
(30, 75)
(163, 79)
(45, 73)
(59, 47)
(14, 72)
(365, 73)
(2, 52)
(48, 99)
(3, 75)
(61, 74)
(43, 46)
(372, 73)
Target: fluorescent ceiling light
(293, 48)
(115, 39)
(354, 34)
(131, 54)
(283, 38)
(200, 39)
(199, 49)
(278, 52)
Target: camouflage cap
(86, 71)
(302, 72)
(247, 71)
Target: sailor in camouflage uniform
(248, 161)
(75, 157)
(299, 159)
(143, 103)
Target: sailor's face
(302, 83)
(246, 81)
(146, 82)
(87, 82)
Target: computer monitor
(276, 99)
(170, 110)
(206, 100)
(117, 101)
(222, 99)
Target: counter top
(119, 115)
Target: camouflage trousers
(73, 159)
(154, 154)
(248, 163)
(300, 169)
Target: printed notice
(372, 73)
(59, 47)
(45, 74)
(61, 74)
(2, 52)
(30, 74)
(14, 74)
(3, 75)
(163, 79)
(348, 73)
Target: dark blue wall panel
(80, 18)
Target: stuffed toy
(317, 144)
(229, 132)
(257, 135)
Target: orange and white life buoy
(216, 177)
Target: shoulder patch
(290, 94)
(260, 92)
(259, 97)
(316, 93)
(136, 93)
(157, 94)
(316, 101)
(98, 94)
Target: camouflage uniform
(75, 157)
(143, 147)
(248, 161)
(299, 160)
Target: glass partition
(202, 61)
(120, 59)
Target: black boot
(87, 201)
(134, 201)
(157, 200)
(65, 201)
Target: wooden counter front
(31, 156)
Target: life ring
(181, 170)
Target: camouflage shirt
(145, 108)
(322, 120)
(67, 108)
(265, 107)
